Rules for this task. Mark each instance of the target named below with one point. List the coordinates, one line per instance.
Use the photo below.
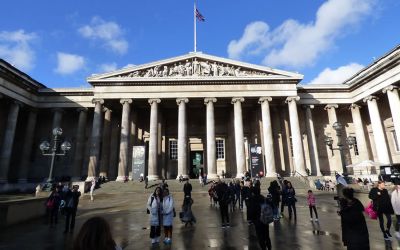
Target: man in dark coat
(354, 228)
(262, 230)
(187, 189)
(224, 197)
(71, 207)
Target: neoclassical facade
(198, 111)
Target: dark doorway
(196, 164)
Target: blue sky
(60, 43)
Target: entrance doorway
(196, 164)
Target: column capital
(307, 106)
(181, 100)
(329, 106)
(389, 88)
(82, 109)
(354, 106)
(96, 100)
(264, 99)
(210, 99)
(292, 98)
(20, 104)
(123, 101)
(154, 100)
(237, 99)
(370, 98)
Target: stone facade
(198, 109)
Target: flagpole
(194, 22)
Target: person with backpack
(263, 215)
(154, 209)
(223, 200)
(52, 206)
(383, 205)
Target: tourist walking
(187, 189)
(274, 191)
(187, 213)
(395, 199)
(223, 195)
(94, 234)
(52, 206)
(154, 208)
(71, 207)
(168, 212)
(291, 200)
(262, 230)
(383, 206)
(312, 205)
(354, 228)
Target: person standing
(92, 187)
(311, 205)
(52, 205)
(354, 228)
(154, 208)
(168, 215)
(396, 207)
(262, 230)
(274, 190)
(71, 207)
(383, 205)
(284, 194)
(223, 195)
(291, 200)
(187, 214)
(187, 188)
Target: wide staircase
(300, 184)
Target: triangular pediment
(195, 66)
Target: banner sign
(138, 162)
(256, 160)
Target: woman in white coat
(396, 207)
(154, 209)
(168, 216)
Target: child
(311, 205)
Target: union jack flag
(199, 16)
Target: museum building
(199, 112)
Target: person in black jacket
(262, 230)
(275, 191)
(383, 205)
(187, 189)
(71, 207)
(354, 228)
(224, 196)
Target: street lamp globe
(57, 131)
(65, 146)
(337, 126)
(44, 146)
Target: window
(396, 143)
(220, 144)
(291, 146)
(355, 146)
(173, 149)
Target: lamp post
(350, 141)
(51, 149)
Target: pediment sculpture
(194, 68)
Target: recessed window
(355, 145)
(173, 149)
(395, 142)
(220, 144)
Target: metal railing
(304, 179)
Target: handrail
(304, 179)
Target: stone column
(152, 171)
(312, 142)
(377, 128)
(298, 153)
(239, 137)
(332, 118)
(211, 147)
(8, 141)
(359, 130)
(394, 103)
(105, 147)
(182, 138)
(123, 144)
(79, 145)
(95, 140)
(57, 117)
(267, 136)
(27, 147)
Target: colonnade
(94, 170)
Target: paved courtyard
(127, 215)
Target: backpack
(266, 215)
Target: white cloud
(15, 47)
(110, 33)
(295, 44)
(107, 67)
(69, 63)
(337, 76)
